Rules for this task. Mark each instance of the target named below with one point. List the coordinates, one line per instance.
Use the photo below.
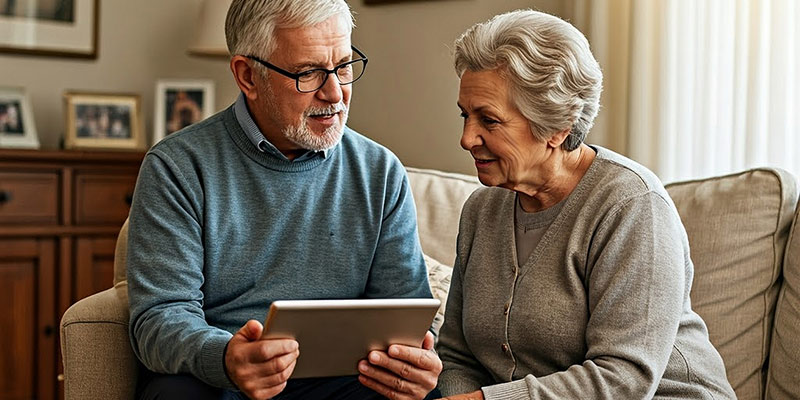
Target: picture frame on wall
(17, 129)
(103, 121)
(62, 28)
(180, 103)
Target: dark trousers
(157, 386)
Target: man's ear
(245, 76)
(558, 138)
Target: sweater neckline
(266, 159)
(570, 204)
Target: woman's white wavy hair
(554, 79)
(250, 24)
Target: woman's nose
(470, 137)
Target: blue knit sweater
(219, 230)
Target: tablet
(335, 334)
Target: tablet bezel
(335, 334)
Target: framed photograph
(103, 121)
(16, 119)
(64, 28)
(180, 103)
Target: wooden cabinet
(60, 212)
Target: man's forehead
(336, 25)
(312, 47)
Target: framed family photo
(65, 28)
(180, 103)
(103, 121)
(16, 119)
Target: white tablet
(335, 334)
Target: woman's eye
(489, 121)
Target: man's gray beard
(302, 135)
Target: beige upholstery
(98, 360)
(439, 208)
(121, 254)
(783, 380)
(738, 226)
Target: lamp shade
(209, 34)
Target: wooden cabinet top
(70, 156)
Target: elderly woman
(572, 276)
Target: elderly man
(272, 198)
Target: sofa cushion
(439, 197)
(784, 363)
(738, 226)
(439, 279)
(98, 360)
(121, 254)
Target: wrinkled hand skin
(260, 368)
(402, 372)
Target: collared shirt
(259, 140)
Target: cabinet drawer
(29, 197)
(103, 198)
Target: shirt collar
(258, 139)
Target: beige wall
(406, 101)
(139, 42)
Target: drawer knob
(5, 197)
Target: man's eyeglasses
(313, 79)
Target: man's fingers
(278, 365)
(405, 379)
(421, 358)
(275, 378)
(253, 330)
(427, 343)
(382, 389)
(249, 332)
(385, 376)
(273, 348)
(263, 380)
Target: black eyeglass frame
(328, 72)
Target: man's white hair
(250, 24)
(554, 79)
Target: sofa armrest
(98, 360)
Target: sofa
(745, 242)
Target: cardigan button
(505, 348)
(505, 309)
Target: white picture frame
(180, 103)
(17, 128)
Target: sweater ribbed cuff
(212, 358)
(513, 390)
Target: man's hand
(259, 368)
(476, 395)
(404, 372)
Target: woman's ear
(558, 138)
(245, 76)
